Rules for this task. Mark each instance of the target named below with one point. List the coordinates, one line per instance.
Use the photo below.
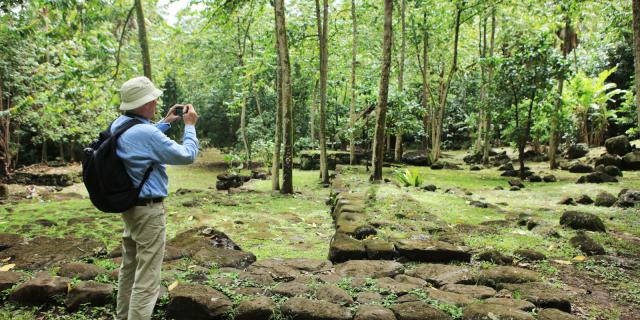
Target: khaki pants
(142, 253)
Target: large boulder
(258, 308)
(209, 246)
(618, 145)
(442, 274)
(373, 312)
(92, 293)
(596, 177)
(555, 314)
(40, 290)
(494, 256)
(309, 161)
(610, 170)
(416, 158)
(80, 270)
(307, 309)
(8, 279)
(608, 159)
(631, 160)
(506, 274)
(227, 181)
(478, 292)
(543, 295)
(577, 150)
(587, 245)
(580, 168)
(334, 294)
(44, 252)
(8, 240)
(369, 268)
(582, 221)
(343, 248)
(628, 198)
(197, 302)
(605, 199)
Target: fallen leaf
(6, 259)
(562, 262)
(173, 285)
(7, 267)
(579, 258)
(190, 218)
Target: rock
(40, 290)
(8, 279)
(43, 252)
(364, 231)
(609, 170)
(227, 181)
(516, 183)
(549, 178)
(416, 158)
(584, 199)
(498, 188)
(258, 308)
(429, 187)
(90, 292)
(369, 268)
(534, 178)
(530, 255)
(274, 269)
(259, 175)
(605, 199)
(478, 292)
(597, 177)
(479, 204)
(378, 249)
(372, 312)
(510, 173)
(291, 289)
(388, 285)
(505, 274)
(618, 145)
(4, 191)
(577, 150)
(475, 168)
(582, 221)
(45, 223)
(446, 297)
(631, 160)
(628, 198)
(555, 314)
(542, 295)
(432, 251)
(567, 201)
(197, 302)
(494, 256)
(367, 297)
(418, 310)
(441, 274)
(587, 245)
(334, 294)
(343, 248)
(514, 188)
(82, 271)
(437, 166)
(210, 257)
(580, 168)
(512, 303)
(306, 309)
(484, 311)
(8, 240)
(211, 247)
(506, 167)
(609, 160)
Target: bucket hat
(137, 92)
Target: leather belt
(145, 201)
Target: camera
(179, 110)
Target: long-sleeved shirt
(146, 145)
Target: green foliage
(409, 178)
(233, 162)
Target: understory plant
(409, 178)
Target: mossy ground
(273, 225)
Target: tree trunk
(398, 148)
(5, 152)
(312, 112)
(322, 37)
(287, 118)
(438, 118)
(487, 131)
(636, 51)
(352, 109)
(482, 50)
(242, 35)
(525, 138)
(142, 38)
(381, 109)
(275, 163)
(554, 136)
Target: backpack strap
(126, 126)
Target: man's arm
(167, 151)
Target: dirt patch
(44, 252)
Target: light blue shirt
(146, 145)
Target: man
(142, 147)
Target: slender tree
(142, 38)
(287, 108)
(403, 44)
(636, 51)
(383, 92)
(275, 163)
(322, 23)
(554, 137)
(242, 36)
(487, 125)
(5, 153)
(352, 109)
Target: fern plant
(409, 178)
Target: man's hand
(171, 115)
(190, 116)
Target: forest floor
(271, 225)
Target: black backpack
(104, 174)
